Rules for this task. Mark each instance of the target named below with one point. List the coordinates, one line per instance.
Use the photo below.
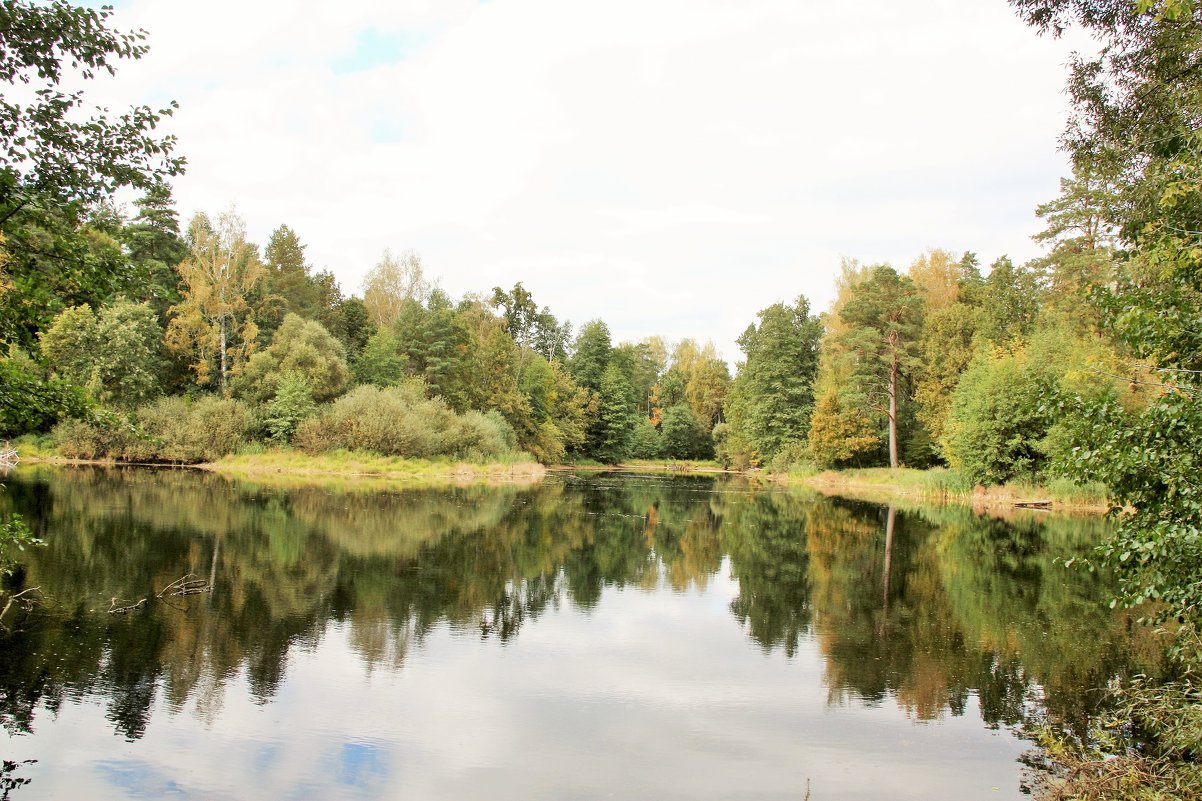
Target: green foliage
(1150, 461)
(560, 409)
(610, 436)
(683, 436)
(591, 356)
(115, 356)
(15, 537)
(155, 246)
(772, 400)
(299, 346)
(292, 403)
(793, 456)
(289, 286)
(93, 439)
(199, 430)
(382, 360)
(1142, 750)
(30, 403)
(434, 341)
(996, 419)
(646, 441)
(46, 148)
(172, 429)
(402, 421)
(1009, 303)
(947, 350)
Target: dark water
(592, 637)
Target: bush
(293, 402)
(645, 442)
(791, 454)
(683, 435)
(169, 430)
(81, 439)
(402, 421)
(995, 422)
(200, 431)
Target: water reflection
(929, 607)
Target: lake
(594, 636)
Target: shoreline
(882, 486)
(368, 467)
(879, 485)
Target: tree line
(940, 364)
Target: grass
(34, 446)
(646, 465)
(264, 463)
(942, 484)
(256, 462)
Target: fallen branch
(121, 610)
(186, 585)
(28, 603)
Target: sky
(668, 166)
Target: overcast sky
(670, 166)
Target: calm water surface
(591, 637)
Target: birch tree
(213, 325)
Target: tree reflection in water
(927, 606)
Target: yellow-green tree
(393, 282)
(213, 326)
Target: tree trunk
(222, 345)
(893, 410)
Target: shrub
(996, 422)
(402, 421)
(293, 402)
(791, 454)
(683, 435)
(168, 430)
(82, 439)
(645, 442)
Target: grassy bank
(941, 485)
(272, 465)
(521, 469)
(652, 466)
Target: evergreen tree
(615, 418)
(152, 239)
(884, 318)
(773, 395)
(591, 355)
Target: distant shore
(935, 485)
(938, 485)
(261, 467)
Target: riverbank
(940, 485)
(648, 466)
(292, 466)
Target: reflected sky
(664, 639)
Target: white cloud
(669, 166)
